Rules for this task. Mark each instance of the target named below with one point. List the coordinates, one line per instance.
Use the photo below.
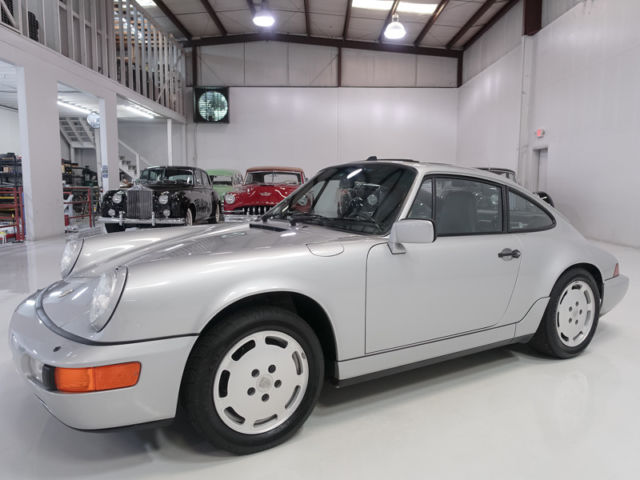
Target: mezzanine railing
(112, 37)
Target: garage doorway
(536, 175)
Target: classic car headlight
(106, 297)
(229, 198)
(163, 199)
(70, 256)
(117, 198)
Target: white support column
(109, 142)
(169, 141)
(526, 102)
(40, 145)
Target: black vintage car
(162, 196)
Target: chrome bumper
(614, 291)
(153, 221)
(239, 217)
(153, 398)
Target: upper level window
(525, 215)
(465, 207)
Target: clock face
(213, 106)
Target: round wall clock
(211, 105)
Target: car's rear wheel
(113, 227)
(571, 317)
(216, 216)
(253, 379)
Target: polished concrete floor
(506, 413)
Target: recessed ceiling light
(403, 7)
(140, 111)
(146, 3)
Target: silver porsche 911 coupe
(367, 269)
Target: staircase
(79, 134)
(131, 162)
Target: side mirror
(410, 231)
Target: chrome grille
(253, 210)
(139, 203)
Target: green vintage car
(224, 181)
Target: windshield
(167, 175)
(220, 179)
(356, 198)
(273, 178)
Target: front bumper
(614, 291)
(153, 221)
(153, 398)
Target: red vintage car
(263, 188)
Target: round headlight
(106, 297)
(70, 256)
(163, 199)
(166, 212)
(117, 198)
(112, 212)
(229, 198)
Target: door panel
(452, 286)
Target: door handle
(508, 253)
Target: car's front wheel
(253, 379)
(571, 317)
(188, 219)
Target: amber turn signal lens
(616, 271)
(94, 379)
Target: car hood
(105, 252)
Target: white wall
(584, 93)
(501, 39)
(291, 65)
(489, 102)
(489, 115)
(9, 134)
(316, 127)
(587, 98)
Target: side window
(422, 208)
(525, 215)
(205, 179)
(465, 207)
(198, 175)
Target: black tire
(189, 217)
(113, 227)
(197, 396)
(547, 338)
(216, 215)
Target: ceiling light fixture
(146, 3)
(140, 111)
(403, 7)
(395, 30)
(263, 16)
(73, 106)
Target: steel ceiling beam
(433, 19)
(532, 17)
(252, 7)
(214, 16)
(323, 41)
(394, 7)
(167, 11)
(490, 23)
(347, 19)
(307, 19)
(471, 22)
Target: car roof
(425, 168)
(275, 169)
(222, 171)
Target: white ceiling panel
(326, 25)
(334, 7)
(199, 24)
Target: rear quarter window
(526, 216)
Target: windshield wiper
(306, 217)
